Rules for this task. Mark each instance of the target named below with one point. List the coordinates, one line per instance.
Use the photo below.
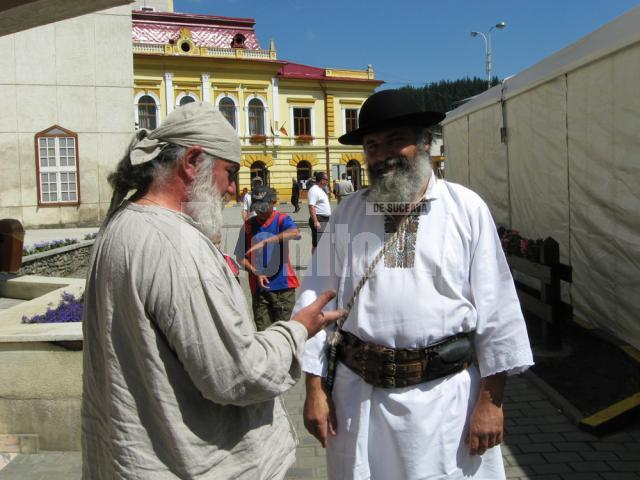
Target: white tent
(555, 151)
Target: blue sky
(417, 41)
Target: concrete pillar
(168, 87)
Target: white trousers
(410, 433)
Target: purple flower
(69, 310)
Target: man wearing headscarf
(177, 382)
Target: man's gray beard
(403, 184)
(205, 202)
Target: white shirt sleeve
(323, 273)
(313, 196)
(246, 202)
(501, 340)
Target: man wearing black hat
(412, 386)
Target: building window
(302, 122)
(256, 117)
(228, 109)
(355, 174)
(350, 119)
(303, 172)
(259, 169)
(186, 99)
(147, 112)
(57, 167)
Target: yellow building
(287, 115)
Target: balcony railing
(148, 48)
(218, 52)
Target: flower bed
(68, 310)
(53, 244)
(514, 244)
(41, 363)
(46, 246)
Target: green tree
(446, 95)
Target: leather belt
(387, 367)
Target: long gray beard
(205, 202)
(403, 184)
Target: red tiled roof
(212, 31)
(206, 30)
(300, 71)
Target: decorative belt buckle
(388, 354)
(388, 382)
(389, 369)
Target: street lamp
(487, 47)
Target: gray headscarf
(196, 123)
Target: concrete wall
(44, 394)
(59, 262)
(40, 365)
(77, 74)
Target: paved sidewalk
(540, 444)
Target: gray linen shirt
(177, 382)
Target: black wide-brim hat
(386, 109)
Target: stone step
(19, 443)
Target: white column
(206, 88)
(276, 110)
(168, 87)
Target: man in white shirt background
(319, 207)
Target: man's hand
(263, 281)
(312, 316)
(319, 415)
(487, 420)
(255, 248)
(317, 225)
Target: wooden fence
(544, 300)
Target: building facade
(72, 101)
(287, 115)
(66, 94)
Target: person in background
(233, 265)
(263, 250)
(343, 187)
(319, 206)
(246, 201)
(295, 194)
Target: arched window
(303, 171)
(259, 169)
(147, 112)
(228, 109)
(354, 173)
(256, 117)
(186, 99)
